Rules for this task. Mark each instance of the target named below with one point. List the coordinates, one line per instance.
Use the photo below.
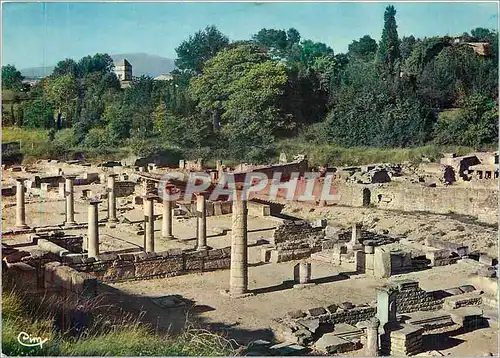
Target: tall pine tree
(388, 49)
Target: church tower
(123, 70)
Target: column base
(70, 223)
(227, 293)
(202, 248)
(111, 224)
(21, 226)
(114, 220)
(304, 285)
(168, 237)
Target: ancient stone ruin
(320, 276)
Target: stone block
(296, 314)
(318, 311)
(310, 324)
(209, 208)
(359, 261)
(217, 208)
(332, 308)
(463, 300)
(382, 263)
(460, 250)
(485, 260)
(330, 343)
(486, 271)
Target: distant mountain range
(142, 64)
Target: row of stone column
(70, 201)
(239, 241)
(166, 232)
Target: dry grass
(111, 331)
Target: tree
(388, 49)
(159, 116)
(246, 86)
(293, 37)
(11, 78)
(97, 63)
(62, 93)
(365, 48)
(274, 40)
(38, 114)
(66, 67)
(475, 124)
(480, 34)
(194, 52)
(406, 46)
(311, 50)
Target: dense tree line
(235, 99)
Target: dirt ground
(416, 225)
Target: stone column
(166, 228)
(355, 243)
(220, 169)
(70, 202)
(149, 223)
(112, 198)
(20, 205)
(93, 229)
(371, 348)
(239, 250)
(201, 214)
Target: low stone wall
(411, 298)
(139, 266)
(72, 243)
(279, 255)
(124, 188)
(65, 279)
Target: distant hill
(142, 64)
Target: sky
(41, 34)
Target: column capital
(21, 180)
(69, 176)
(94, 201)
(112, 175)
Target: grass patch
(122, 335)
(332, 155)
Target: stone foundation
(140, 266)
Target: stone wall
(138, 266)
(465, 200)
(297, 235)
(295, 240)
